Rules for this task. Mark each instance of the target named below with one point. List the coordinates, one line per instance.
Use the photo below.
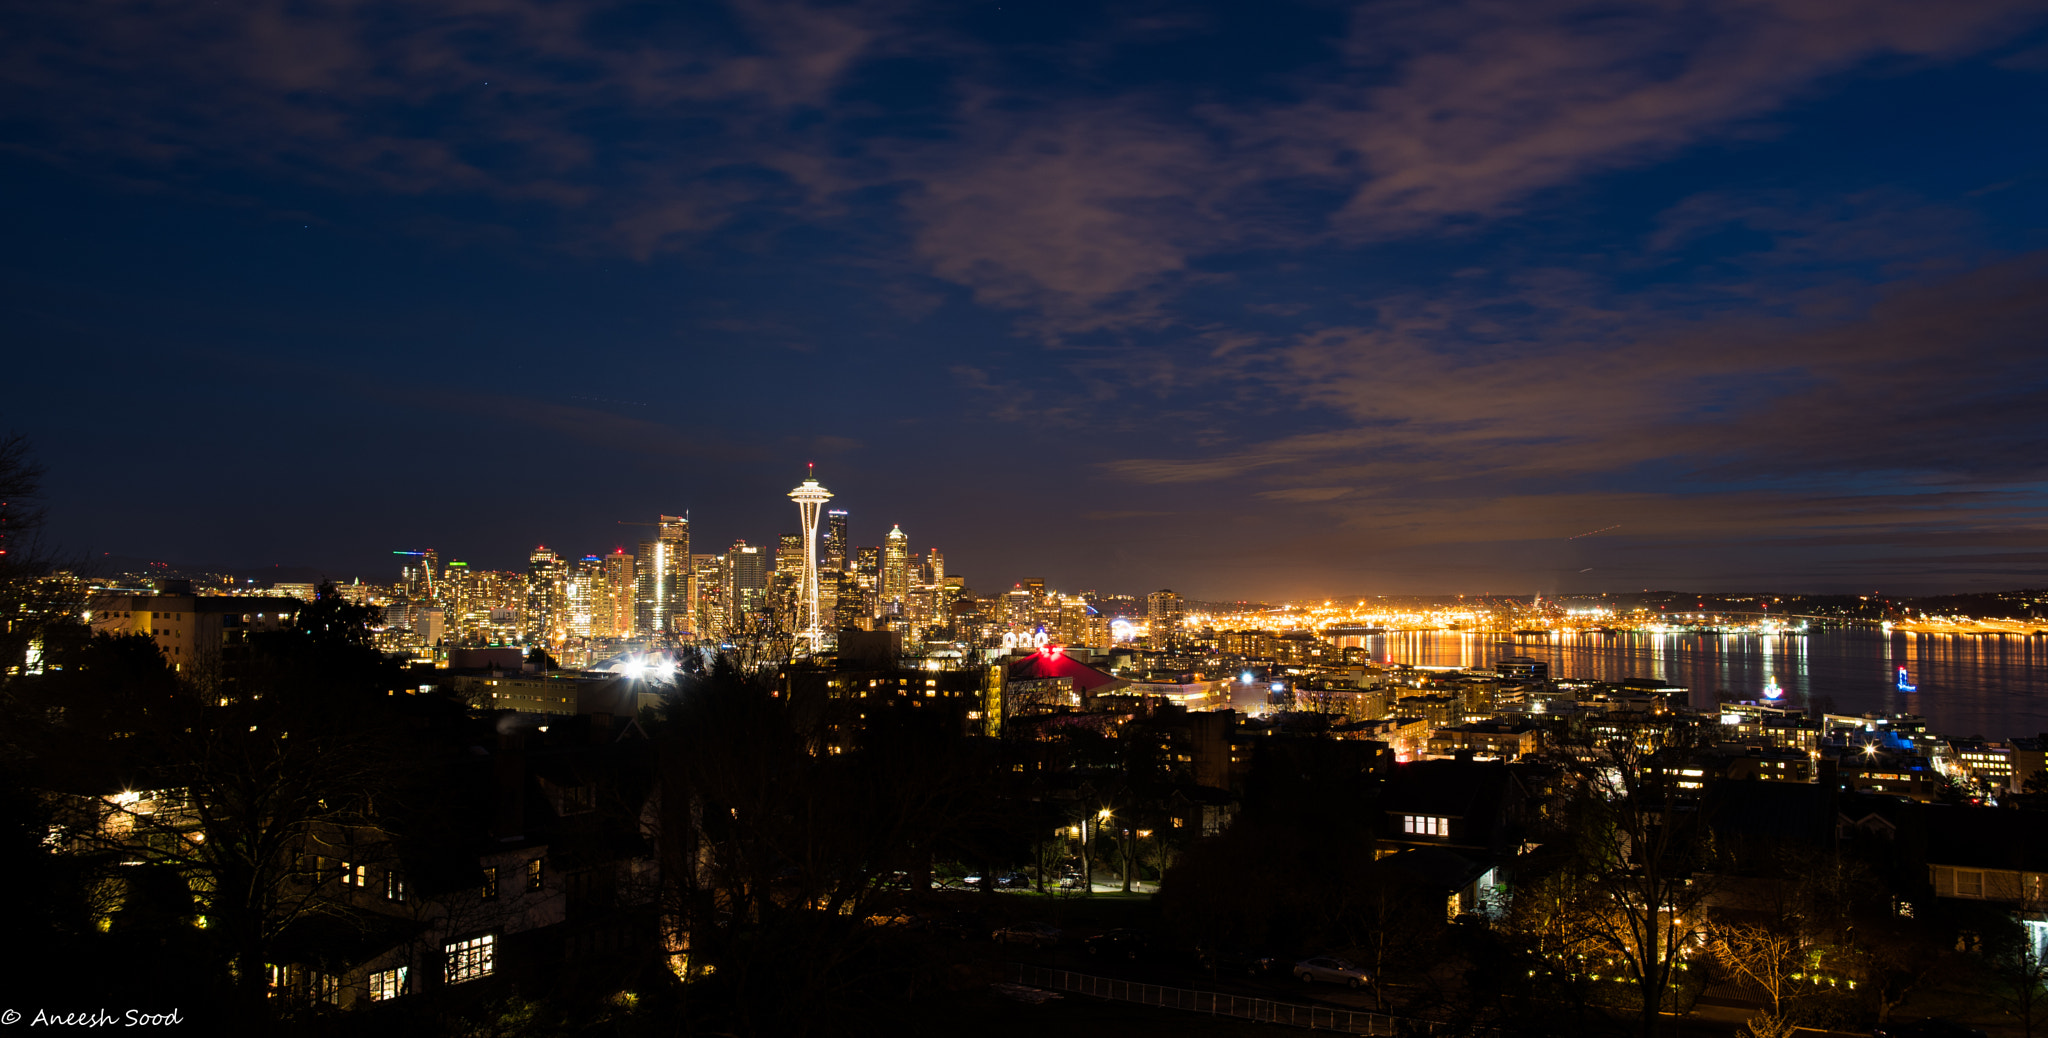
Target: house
(1475, 807)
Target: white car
(1331, 970)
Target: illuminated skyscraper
(835, 540)
(1162, 617)
(895, 570)
(420, 574)
(612, 605)
(712, 582)
(666, 604)
(546, 598)
(810, 496)
(586, 576)
(863, 598)
(746, 569)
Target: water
(1990, 685)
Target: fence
(1216, 1003)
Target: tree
(32, 597)
(1641, 838)
(303, 741)
(1761, 955)
(778, 847)
(2017, 979)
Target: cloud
(1306, 494)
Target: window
(357, 875)
(387, 984)
(533, 874)
(578, 799)
(1426, 825)
(490, 891)
(1969, 883)
(323, 987)
(394, 885)
(471, 959)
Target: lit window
(490, 890)
(1426, 825)
(471, 959)
(387, 984)
(533, 874)
(394, 885)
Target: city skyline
(1541, 298)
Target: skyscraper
(836, 544)
(1162, 616)
(746, 570)
(613, 599)
(585, 578)
(810, 496)
(895, 570)
(712, 588)
(666, 603)
(546, 598)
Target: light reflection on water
(1990, 685)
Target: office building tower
(809, 496)
(713, 599)
(1020, 610)
(615, 598)
(420, 573)
(746, 570)
(585, 579)
(666, 603)
(1163, 611)
(546, 598)
(836, 544)
(895, 571)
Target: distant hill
(264, 576)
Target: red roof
(1051, 663)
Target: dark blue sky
(1246, 299)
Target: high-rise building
(666, 603)
(547, 600)
(895, 570)
(1020, 609)
(1163, 611)
(713, 595)
(836, 544)
(484, 606)
(786, 580)
(615, 598)
(586, 576)
(420, 574)
(810, 495)
(747, 576)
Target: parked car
(1926, 1029)
(1037, 935)
(1330, 970)
(1123, 942)
(1013, 881)
(1235, 960)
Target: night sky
(1247, 299)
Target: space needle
(809, 497)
